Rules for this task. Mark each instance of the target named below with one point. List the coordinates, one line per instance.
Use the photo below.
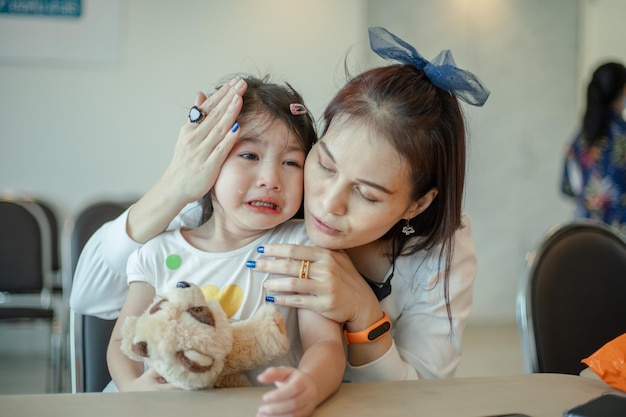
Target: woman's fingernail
(234, 81)
(260, 249)
(269, 299)
(239, 85)
(235, 127)
(251, 264)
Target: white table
(538, 395)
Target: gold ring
(304, 269)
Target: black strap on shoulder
(383, 289)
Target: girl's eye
(293, 164)
(249, 155)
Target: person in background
(595, 162)
(393, 257)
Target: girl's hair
(266, 99)
(606, 86)
(426, 127)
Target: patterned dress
(595, 175)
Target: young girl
(258, 189)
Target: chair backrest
(55, 223)
(573, 298)
(89, 220)
(90, 339)
(90, 335)
(26, 281)
(25, 254)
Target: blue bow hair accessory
(442, 71)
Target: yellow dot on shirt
(173, 261)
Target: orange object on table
(609, 362)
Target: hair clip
(297, 109)
(442, 71)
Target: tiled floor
(488, 351)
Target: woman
(595, 162)
(383, 195)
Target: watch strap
(371, 334)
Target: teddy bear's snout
(141, 349)
(195, 362)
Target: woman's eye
(324, 167)
(364, 197)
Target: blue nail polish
(260, 249)
(251, 264)
(269, 299)
(235, 127)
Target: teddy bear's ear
(140, 349)
(203, 314)
(157, 306)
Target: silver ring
(196, 114)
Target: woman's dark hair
(266, 99)
(425, 125)
(606, 86)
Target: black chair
(89, 335)
(26, 285)
(573, 298)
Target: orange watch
(371, 334)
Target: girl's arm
(319, 374)
(127, 373)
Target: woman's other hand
(198, 157)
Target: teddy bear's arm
(257, 340)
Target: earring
(408, 229)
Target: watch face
(379, 331)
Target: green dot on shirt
(173, 261)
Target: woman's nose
(333, 199)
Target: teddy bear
(191, 343)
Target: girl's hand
(296, 394)
(335, 289)
(150, 381)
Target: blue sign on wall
(64, 8)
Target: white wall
(526, 53)
(74, 132)
(602, 36)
